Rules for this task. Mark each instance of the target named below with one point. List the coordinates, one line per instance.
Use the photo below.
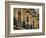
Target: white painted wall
(2, 18)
